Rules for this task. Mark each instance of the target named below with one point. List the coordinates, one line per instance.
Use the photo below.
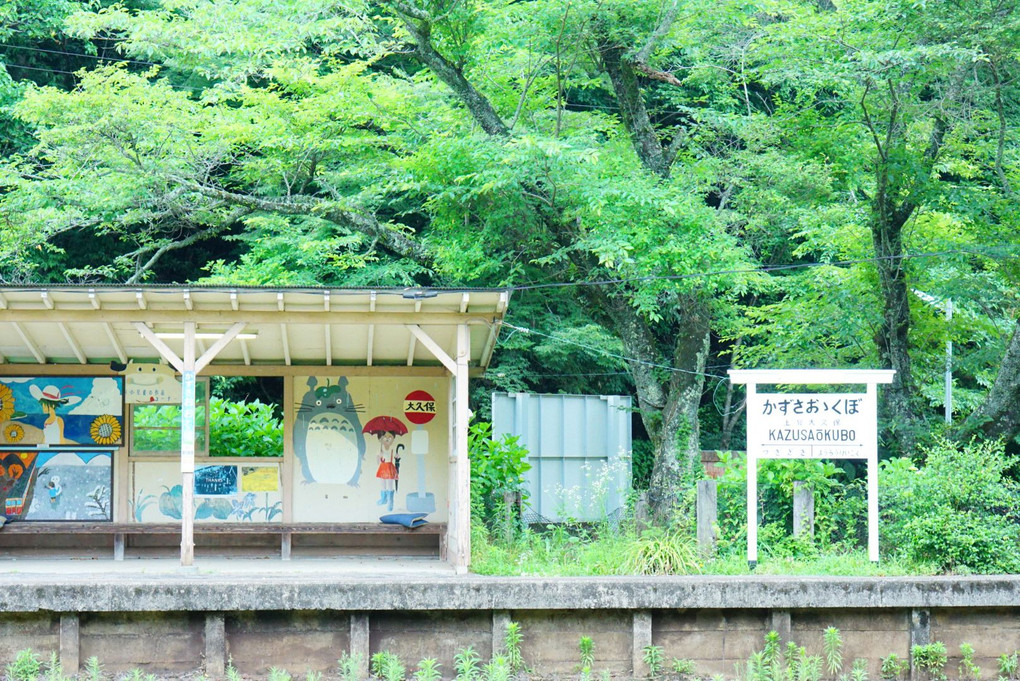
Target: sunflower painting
(6, 402)
(105, 430)
(13, 433)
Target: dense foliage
(670, 191)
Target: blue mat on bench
(411, 520)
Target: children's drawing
(57, 485)
(216, 481)
(149, 383)
(61, 410)
(327, 434)
(387, 429)
(158, 495)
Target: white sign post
(811, 426)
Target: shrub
(958, 512)
(658, 552)
(497, 467)
(931, 659)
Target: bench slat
(78, 527)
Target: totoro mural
(328, 441)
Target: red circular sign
(419, 407)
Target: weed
(94, 670)
(832, 645)
(466, 664)
(349, 666)
(683, 668)
(53, 672)
(892, 667)
(931, 659)
(968, 670)
(387, 666)
(586, 647)
(657, 552)
(25, 667)
(231, 671)
(1008, 665)
(277, 674)
(137, 674)
(497, 670)
(652, 656)
(512, 647)
(859, 670)
(312, 675)
(428, 670)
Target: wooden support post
(215, 645)
(285, 545)
(459, 547)
(707, 513)
(803, 509)
(360, 645)
(118, 545)
(641, 639)
(70, 645)
(188, 447)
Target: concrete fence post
(641, 639)
(707, 513)
(215, 645)
(803, 509)
(70, 644)
(360, 646)
(920, 635)
(500, 621)
(779, 622)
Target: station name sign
(810, 426)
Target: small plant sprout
(586, 647)
(25, 667)
(53, 672)
(313, 675)
(278, 674)
(859, 670)
(931, 659)
(94, 670)
(350, 665)
(968, 670)
(893, 667)
(428, 670)
(466, 664)
(497, 670)
(231, 671)
(652, 656)
(388, 667)
(832, 646)
(1008, 665)
(512, 647)
(683, 668)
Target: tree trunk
(999, 415)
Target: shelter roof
(68, 324)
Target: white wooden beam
(188, 303)
(143, 304)
(46, 300)
(459, 545)
(30, 344)
(75, 348)
(233, 301)
(325, 301)
(245, 353)
(188, 447)
(209, 317)
(410, 350)
(162, 348)
(279, 302)
(217, 347)
(494, 328)
(115, 342)
(286, 343)
(370, 344)
(94, 300)
(464, 301)
(328, 341)
(3, 302)
(433, 347)
(811, 376)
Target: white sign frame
(865, 441)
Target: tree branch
(660, 32)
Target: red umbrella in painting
(385, 424)
(379, 426)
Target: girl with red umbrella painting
(387, 429)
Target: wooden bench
(120, 531)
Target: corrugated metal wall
(579, 450)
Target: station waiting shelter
(104, 412)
